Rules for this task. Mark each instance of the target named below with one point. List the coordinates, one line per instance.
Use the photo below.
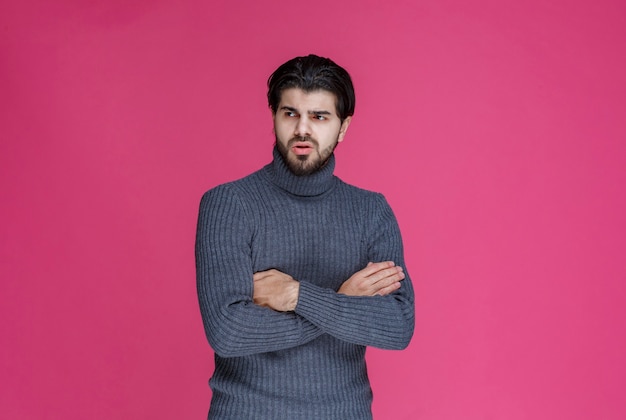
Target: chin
(300, 166)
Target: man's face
(307, 129)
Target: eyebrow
(292, 109)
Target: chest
(318, 241)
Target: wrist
(293, 296)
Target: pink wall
(496, 129)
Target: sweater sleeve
(380, 321)
(234, 325)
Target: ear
(344, 127)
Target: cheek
(278, 129)
(330, 134)
(282, 134)
(283, 128)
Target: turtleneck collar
(305, 185)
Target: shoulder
(239, 187)
(232, 196)
(363, 196)
(369, 208)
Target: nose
(303, 127)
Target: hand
(276, 290)
(379, 278)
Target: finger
(259, 275)
(388, 289)
(373, 268)
(394, 274)
(387, 281)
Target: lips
(301, 148)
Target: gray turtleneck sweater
(309, 363)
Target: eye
(320, 117)
(290, 114)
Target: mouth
(301, 148)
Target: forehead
(316, 100)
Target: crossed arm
(279, 291)
(374, 307)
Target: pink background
(496, 129)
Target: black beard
(303, 165)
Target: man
(297, 271)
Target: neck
(302, 185)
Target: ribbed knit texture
(308, 364)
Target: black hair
(311, 73)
